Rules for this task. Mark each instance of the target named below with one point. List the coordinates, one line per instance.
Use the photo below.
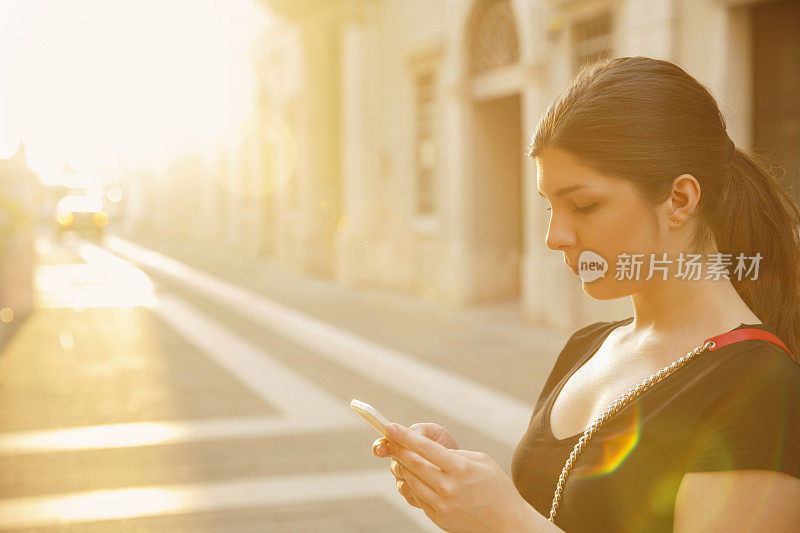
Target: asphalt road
(149, 393)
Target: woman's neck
(689, 307)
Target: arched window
(491, 36)
(591, 40)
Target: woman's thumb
(423, 429)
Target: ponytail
(758, 215)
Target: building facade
(396, 129)
(387, 147)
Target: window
(591, 41)
(426, 155)
(492, 37)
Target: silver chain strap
(618, 404)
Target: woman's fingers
(436, 433)
(412, 462)
(428, 458)
(405, 491)
(402, 485)
(423, 494)
(395, 469)
(379, 447)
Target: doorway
(496, 221)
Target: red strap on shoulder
(746, 334)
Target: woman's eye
(585, 209)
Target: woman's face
(594, 212)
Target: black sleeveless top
(737, 407)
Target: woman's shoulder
(595, 329)
(581, 340)
(752, 374)
(748, 411)
(755, 360)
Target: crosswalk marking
(277, 384)
(161, 500)
(490, 413)
(108, 436)
(90, 285)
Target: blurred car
(81, 214)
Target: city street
(221, 222)
(145, 394)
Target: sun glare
(89, 83)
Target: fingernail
(391, 429)
(381, 450)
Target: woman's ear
(683, 199)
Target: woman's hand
(435, 432)
(459, 490)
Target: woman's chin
(600, 289)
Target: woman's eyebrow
(565, 190)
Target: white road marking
(161, 500)
(91, 285)
(167, 432)
(493, 414)
(277, 384)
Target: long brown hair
(648, 121)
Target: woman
(634, 158)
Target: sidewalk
(489, 344)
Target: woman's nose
(559, 236)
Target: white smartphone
(371, 415)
